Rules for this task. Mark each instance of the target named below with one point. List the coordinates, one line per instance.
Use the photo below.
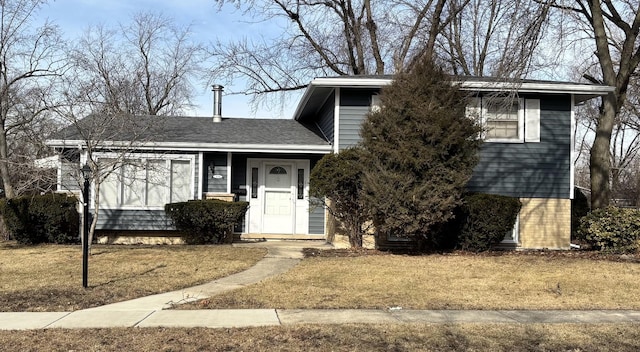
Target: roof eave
(198, 147)
(536, 87)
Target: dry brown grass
(49, 277)
(410, 337)
(510, 281)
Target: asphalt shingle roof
(197, 130)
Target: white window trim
(148, 156)
(526, 120)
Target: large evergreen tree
(420, 150)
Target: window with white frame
(146, 182)
(507, 119)
(502, 120)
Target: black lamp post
(86, 174)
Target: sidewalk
(282, 256)
(232, 318)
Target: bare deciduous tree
(30, 62)
(493, 37)
(144, 67)
(335, 37)
(614, 29)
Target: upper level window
(507, 119)
(502, 119)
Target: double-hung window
(502, 119)
(507, 119)
(146, 182)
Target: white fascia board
(487, 85)
(204, 147)
(351, 82)
(531, 87)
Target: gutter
(205, 147)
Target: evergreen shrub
(420, 149)
(48, 218)
(484, 220)
(206, 221)
(612, 230)
(336, 183)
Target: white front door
(278, 196)
(278, 199)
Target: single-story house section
(528, 154)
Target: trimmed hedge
(206, 221)
(48, 218)
(485, 219)
(612, 230)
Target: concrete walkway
(282, 256)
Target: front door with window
(276, 201)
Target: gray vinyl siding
(536, 170)
(215, 164)
(316, 221)
(326, 119)
(133, 220)
(355, 104)
(351, 118)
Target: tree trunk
(4, 166)
(600, 159)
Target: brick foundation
(545, 223)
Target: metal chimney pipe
(217, 102)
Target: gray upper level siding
(351, 119)
(354, 107)
(531, 170)
(326, 118)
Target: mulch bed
(551, 254)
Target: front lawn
(539, 280)
(394, 337)
(49, 277)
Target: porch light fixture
(86, 174)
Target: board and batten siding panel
(215, 164)
(325, 122)
(316, 220)
(134, 220)
(530, 170)
(351, 118)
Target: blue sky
(208, 24)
